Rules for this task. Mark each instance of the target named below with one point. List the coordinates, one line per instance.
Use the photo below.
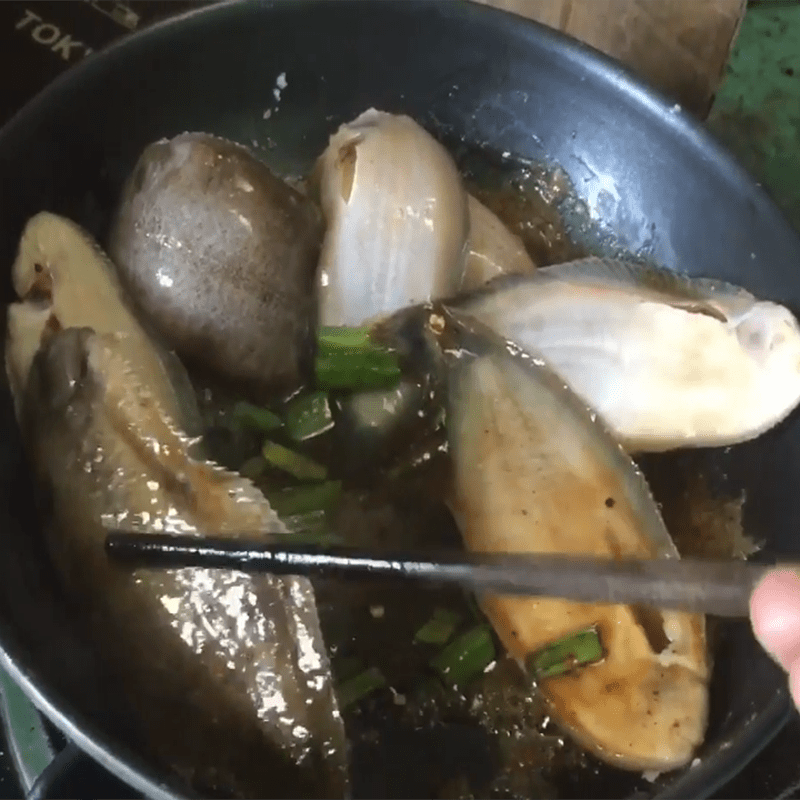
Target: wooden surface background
(679, 46)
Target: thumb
(775, 615)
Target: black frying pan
(650, 175)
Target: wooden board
(679, 46)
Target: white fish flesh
(536, 472)
(397, 219)
(492, 250)
(397, 225)
(666, 360)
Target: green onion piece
(348, 359)
(253, 468)
(466, 657)
(308, 416)
(439, 628)
(297, 465)
(562, 656)
(357, 688)
(246, 415)
(305, 499)
(343, 337)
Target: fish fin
(217, 497)
(508, 280)
(181, 383)
(714, 298)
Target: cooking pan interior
(651, 180)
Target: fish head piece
(770, 334)
(41, 248)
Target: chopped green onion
(299, 466)
(357, 688)
(466, 657)
(345, 337)
(308, 416)
(246, 415)
(253, 468)
(348, 371)
(305, 499)
(562, 656)
(347, 358)
(439, 628)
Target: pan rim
(573, 54)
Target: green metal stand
(756, 112)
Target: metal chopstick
(721, 588)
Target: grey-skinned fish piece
(221, 255)
(229, 672)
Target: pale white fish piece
(397, 225)
(666, 360)
(492, 249)
(397, 219)
(535, 472)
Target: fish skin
(238, 660)
(533, 472)
(222, 255)
(66, 280)
(667, 360)
(104, 425)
